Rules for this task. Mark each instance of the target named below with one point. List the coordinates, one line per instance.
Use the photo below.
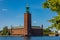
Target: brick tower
(27, 22)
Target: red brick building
(28, 29)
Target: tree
(54, 5)
(5, 30)
(55, 22)
(46, 31)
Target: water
(29, 38)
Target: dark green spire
(27, 8)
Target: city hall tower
(27, 22)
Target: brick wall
(17, 31)
(37, 32)
(27, 23)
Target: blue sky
(12, 13)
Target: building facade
(28, 29)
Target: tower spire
(27, 8)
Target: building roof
(36, 27)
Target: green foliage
(54, 5)
(46, 31)
(5, 30)
(55, 22)
(46, 5)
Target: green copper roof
(23, 27)
(27, 8)
(35, 26)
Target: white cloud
(4, 9)
(34, 21)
